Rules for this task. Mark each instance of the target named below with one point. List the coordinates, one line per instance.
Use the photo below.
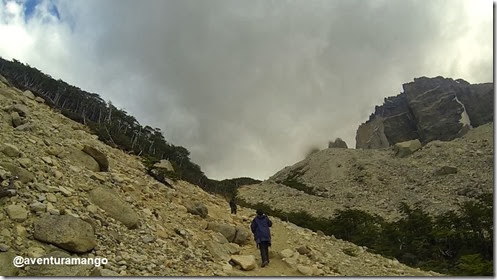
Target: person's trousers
(264, 247)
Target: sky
(249, 87)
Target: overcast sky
(248, 87)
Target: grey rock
(286, 253)
(305, 270)
(51, 198)
(114, 206)
(99, 157)
(247, 262)
(218, 251)
(197, 208)
(164, 164)
(4, 248)
(229, 232)
(17, 212)
(25, 162)
(406, 148)
(38, 207)
(28, 94)
(242, 236)
(25, 127)
(10, 150)
(23, 175)
(303, 250)
(21, 109)
(39, 99)
(445, 170)
(6, 266)
(16, 119)
(81, 159)
(66, 232)
(148, 238)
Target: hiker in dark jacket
(260, 228)
(233, 205)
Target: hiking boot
(264, 264)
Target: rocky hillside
(438, 177)
(428, 109)
(65, 194)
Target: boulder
(6, 266)
(247, 262)
(17, 212)
(99, 157)
(16, 119)
(39, 99)
(21, 109)
(303, 250)
(114, 206)
(242, 236)
(406, 148)
(218, 251)
(229, 232)
(164, 164)
(38, 207)
(305, 270)
(66, 232)
(82, 159)
(445, 170)
(25, 127)
(197, 208)
(10, 150)
(23, 175)
(338, 143)
(28, 94)
(286, 253)
(232, 248)
(25, 162)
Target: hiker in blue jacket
(262, 235)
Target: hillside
(377, 181)
(66, 202)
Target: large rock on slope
(66, 232)
(81, 159)
(23, 175)
(114, 206)
(164, 164)
(6, 266)
(247, 262)
(406, 148)
(99, 157)
(428, 109)
(226, 230)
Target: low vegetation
(454, 243)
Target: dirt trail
(280, 241)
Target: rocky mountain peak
(429, 109)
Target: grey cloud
(249, 86)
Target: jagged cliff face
(428, 109)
